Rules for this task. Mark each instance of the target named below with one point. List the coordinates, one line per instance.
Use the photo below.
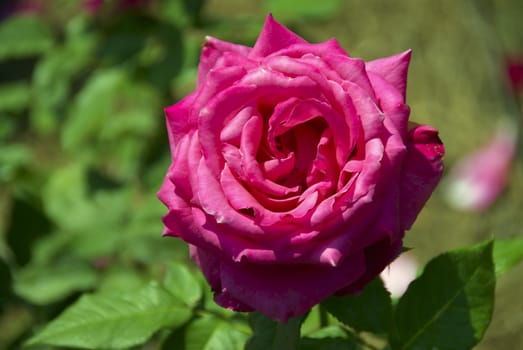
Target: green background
(83, 148)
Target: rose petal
(178, 169)
(389, 97)
(212, 118)
(275, 169)
(334, 213)
(393, 69)
(377, 257)
(324, 166)
(352, 70)
(366, 115)
(180, 119)
(212, 50)
(421, 173)
(231, 132)
(273, 37)
(302, 50)
(284, 291)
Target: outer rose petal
(277, 291)
(274, 37)
(421, 172)
(212, 50)
(180, 119)
(393, 69)
(377, 257)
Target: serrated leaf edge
(406, 345)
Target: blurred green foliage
(83, 150)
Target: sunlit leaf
(450, 305)
(111, 120)
(181, 283)
(114, 321)
(118, 279)
(209, 332)
(24, 36)
(507, 253)
(14, 96)
(13, 158)
(53, 77)
(70, 204)
(329, 338)
(47, 284)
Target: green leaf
(180, 282)
(174, 12)
(450, 305)
(5, 282)
(369, 311)
(162, 57)
(96, 217)
(23, 36)
(55, 72)
(309, 9)
(507, 253)
(269, 334)
(47, 284)
(264, 330)
(105, 321)
(14, 96)
(27, 224)
(211, 333)
(13, 158)
(313, 321)
(112, 112)
(329, 338)
(52, 79)
(110, 106)
(118, 279)
(8, 125)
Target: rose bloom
(295, 171)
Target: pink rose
(294, 172)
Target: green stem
(287, 336)
(357, 337)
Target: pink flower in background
(515, 73)
(295, 170)
(477, 180)
(9, 8)
(92, 6)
